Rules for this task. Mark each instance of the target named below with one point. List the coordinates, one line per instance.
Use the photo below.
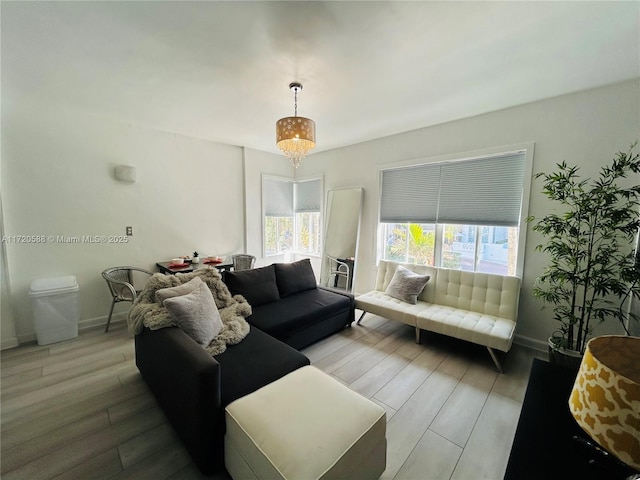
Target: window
(463, 215)
(308, 233)
(409, 243)
(291, 216)
(277, 201)
(480, 248)
(278, 232)
(308, 197)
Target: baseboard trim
(83, 325)
(90, 323)
(532, 343)
(9, 343)
(102, 320)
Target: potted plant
(593, 271)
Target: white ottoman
(305, 426)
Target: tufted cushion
(477, 307)
(483, 329)
(388, 307)
(486, 293)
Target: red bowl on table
(212, 260)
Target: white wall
(58, 180)
(8, 329)
(585, 128)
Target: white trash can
(55, 308)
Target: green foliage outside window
(278, 234)
(420, 247)
(308, 233)
(451, 259)
(490, 249)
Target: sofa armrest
(185, 380)
(337, 290)
(350, 296)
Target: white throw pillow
(196, 313)
(406, 285)
(183, 289)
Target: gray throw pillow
(183, 289)
(406, 285)
(196, 313)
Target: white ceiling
(220, 70)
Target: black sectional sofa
(289, 305)
(193, 387)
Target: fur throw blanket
(147, 312)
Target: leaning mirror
(342, 228)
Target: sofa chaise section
(193, 387)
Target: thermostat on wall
(126, 173)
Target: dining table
(170, 268)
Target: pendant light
(295, 136)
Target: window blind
(483, 191)
(277, 197)
(410, 194)
(308, 196)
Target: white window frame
(267, 177)
(528, 147)
(321, 219)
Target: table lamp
(605, 400)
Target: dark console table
(543, 447)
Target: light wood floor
(79, 409)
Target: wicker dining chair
(243, 261)
(121, 285)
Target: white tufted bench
(305, 426)
(477, 307)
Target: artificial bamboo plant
(593, 271)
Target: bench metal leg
(495, 360)
(363, 314)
